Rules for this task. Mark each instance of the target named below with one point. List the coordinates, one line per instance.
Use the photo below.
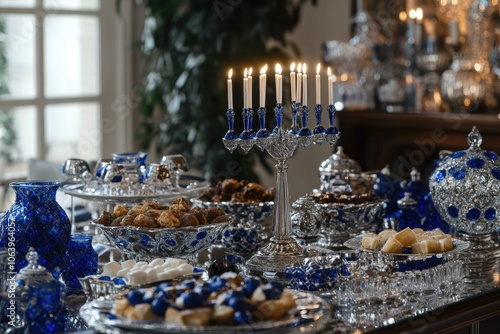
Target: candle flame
(299, 68)
(278, 68)
(250, 72)
(419, 13)
(317, 68)
(230, 73)
(329, 72)
(263, 70)
(245, 74)
(412, 14)
(304, 68)
(292, 67)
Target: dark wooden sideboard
(404, 140)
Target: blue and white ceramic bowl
(247, 234)
(149, 243)
(465, 188)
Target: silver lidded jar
(337, 171)
(465, 188)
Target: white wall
(328, 20)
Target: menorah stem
(282, 223)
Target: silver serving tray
(196, 185)
(311, 313)
(355, 243)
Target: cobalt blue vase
(36, 220)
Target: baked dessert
(225, 300)
(231, 190)
(343, 198)
(150, 214)
(414, 241)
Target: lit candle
(330, 87)
(318, 85)
(454, 32)
(279, 84)
(262, 86)
(412, 15)
(304, 85)
(419, 28)
(292, 82)
(299, 83)
(249, 93)
(230, 90)
(245, 89)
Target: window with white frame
(59, 70)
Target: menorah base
(271, 261)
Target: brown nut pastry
(166, 219)
(127, 220)
(117, 221)
(230, 186)
(220, 219)
(213, 213)
(176, 212)
(179, 207)
(182, 201)
(142, 220)
(189, 219)
(120, 210)
(106, 218)
(137, 210)
(253, 191)
(200, 214)
(153, 213)
(151, 204)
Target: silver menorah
(282, 250)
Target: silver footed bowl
(341, 221)
(149, 243)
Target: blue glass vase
(36, 220)
(80, 260)
(45, 312)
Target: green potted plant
(190, 46)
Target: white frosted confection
(110, 268)
(156, 262)
(179, 301)
(175, 262)
(152, 275)
(165, 276)
(123, 272)
(137, 277)
(185, 269)
(128, 264)
(141, 264)
(220, 298)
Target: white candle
(318, 85)
(299, 83)
(262, 86)
(245, 89)
(330, 87)
(454, 32)
(230, 90)
(304, 85)
(419, 27)
(279, 84)
(411, 24)
(249, 93)
(292, 82)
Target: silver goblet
(158, 177)
(176, 164)
(75, 170)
